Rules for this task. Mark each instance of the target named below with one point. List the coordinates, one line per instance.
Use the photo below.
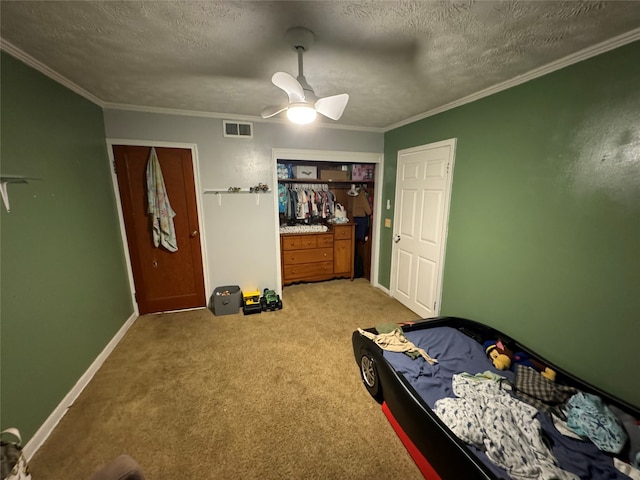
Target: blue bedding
(456, 353)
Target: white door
(423, 192)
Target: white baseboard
(384, 289)
(50, 423)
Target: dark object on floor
(270, 300)
(358, 265)
(411, 389)
(122, 468)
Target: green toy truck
(270, 300)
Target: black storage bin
(226, 300)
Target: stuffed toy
(503, 359)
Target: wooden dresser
(311, 257)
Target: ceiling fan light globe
(301, 114)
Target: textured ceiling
(396, 59)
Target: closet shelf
(318, 180)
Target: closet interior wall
(340, 189)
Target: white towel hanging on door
(159, 208)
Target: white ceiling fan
(303, 103)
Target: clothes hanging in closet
(359, 205)
(304, 202)
(360, 208)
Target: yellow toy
(251, 302)
(502, 358)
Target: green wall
(544, 228)
(65, 289)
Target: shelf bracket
(4, 181)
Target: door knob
(194, 233)
(396, 238)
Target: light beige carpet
(275, 395)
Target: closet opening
(325, 213)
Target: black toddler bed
(427, 406)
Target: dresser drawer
(325, 240)
(342, 231)
(291, 242)
(303, 270)
(293, 257)
(296, 242)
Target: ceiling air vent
(237, 129)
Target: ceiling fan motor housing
(300, 37)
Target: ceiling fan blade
(290, 85)
(333, 106)
(272, 110)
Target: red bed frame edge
(421, 462)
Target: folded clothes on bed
(540, 392)
(395, 341)
(588, 416)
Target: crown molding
(14, 51)
(230, 116)
(176, 111)
(585, 54)
(589, 52)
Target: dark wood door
(163, 280)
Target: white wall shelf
(243, 190)
(219, 193)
